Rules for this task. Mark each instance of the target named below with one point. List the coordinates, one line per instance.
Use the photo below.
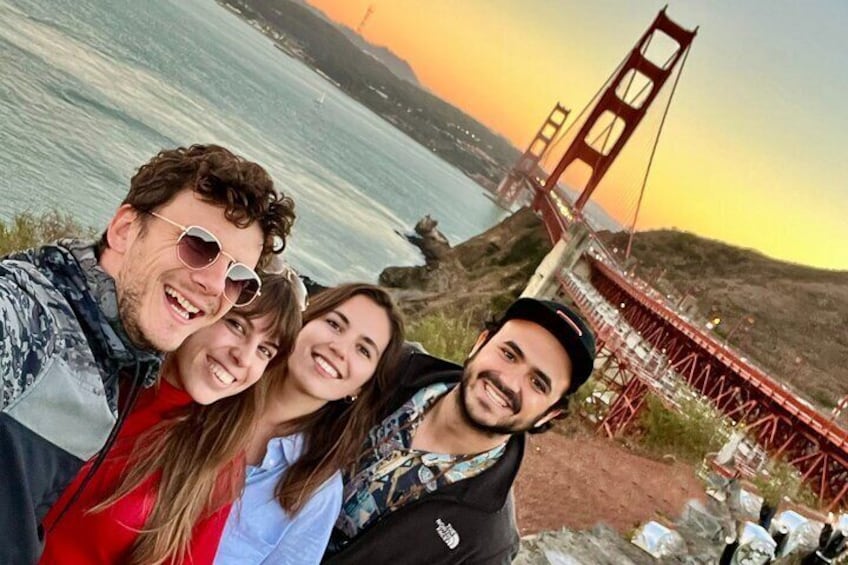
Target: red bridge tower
(613, 109)
(520, 178)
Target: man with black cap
(433, 482)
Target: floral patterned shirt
(391, 473)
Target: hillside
(443, 129)
(799, 314)
(476, 279)
(399, 67)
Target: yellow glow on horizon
(721, 171)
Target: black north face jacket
(469, 522)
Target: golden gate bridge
(777, 420)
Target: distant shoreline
(442, 129)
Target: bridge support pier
(563, 258)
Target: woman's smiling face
(338, 352)
(226, 358)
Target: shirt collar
(286, 449)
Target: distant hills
(798, 315)
(361, 71)
(395, 64)
(386, 84)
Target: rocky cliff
(477, 278)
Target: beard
(504, 428)
(129, 311)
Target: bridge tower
(520, 178)
(614, 110)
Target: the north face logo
(447, 533)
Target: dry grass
(688, 433)
(27, 230)
(448, 337)
(781, 480)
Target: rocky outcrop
(432, 243)
(475, 279)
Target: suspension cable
(654, 151)
(591, 103)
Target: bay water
(91, 89)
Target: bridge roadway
(806, 415)
(782, 423)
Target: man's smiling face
(161, 301)
(511, 382)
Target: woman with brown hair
(318, 413)
(183, 442)
(165, 496)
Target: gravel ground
(576, 480)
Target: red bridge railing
(783, 424)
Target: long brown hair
(334, 434)
(198, 454)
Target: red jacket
(106, 537)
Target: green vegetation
(530, 248)
(27, 230)
(781, 479)
(500, 302)
(688, 433)
(448, 337)
(578, 400)
(697, 429)
(587, 403)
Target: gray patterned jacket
(62, 349)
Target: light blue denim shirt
(258, 530)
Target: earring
(350, 398)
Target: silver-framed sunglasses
(278, 266)
(198, 249)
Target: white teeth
(179, 311)
(496, 395)
(182, 301)
(326, 367)
(221, 374)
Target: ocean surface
(91, 89)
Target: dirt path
(579, 480)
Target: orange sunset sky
(754, 147)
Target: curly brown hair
(217, 175)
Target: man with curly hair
(81, 321)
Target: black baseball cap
(564, 324)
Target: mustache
(513, 398)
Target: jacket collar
(489, 490)
(72, 267)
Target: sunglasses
(278, 266)
(198, 249)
